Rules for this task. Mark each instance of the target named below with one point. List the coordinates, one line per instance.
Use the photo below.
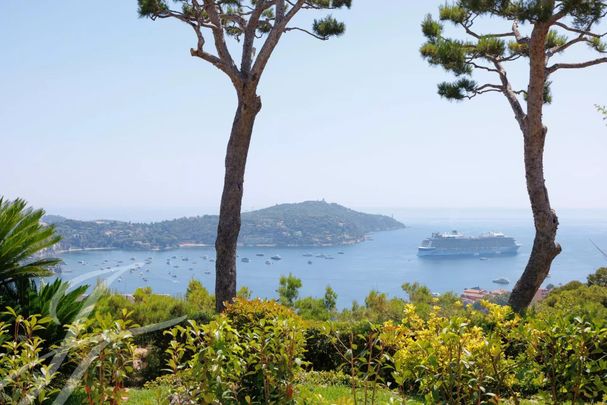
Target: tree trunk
(249, 105)
(545, 248)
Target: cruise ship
(455, 243)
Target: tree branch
(272, 39)
(249, 35)
(519, 113)
(218, 35)
(557, 49)
(576, 30)
(580, 65)
(307, 32)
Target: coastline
(188, 245)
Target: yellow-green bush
(452, 359)
(249, 354)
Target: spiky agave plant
(22, 238)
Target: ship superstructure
(455, 243)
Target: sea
(382, 263)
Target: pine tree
(537, 31)
(255, 27)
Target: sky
(106, 115)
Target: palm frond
(23, 240)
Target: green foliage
(244, 292)
(23, 238)
(599, 277)
(452, 360)
(490, 46)
(53, 300)
(431, 29)
(256, 351)
(364, 358)
(199, 298)
(457, 90)
(577, 298)
(330, 299)
(152, 7)
(147, 308)
(105, 342)
(288, 289)
(567, 355)
(453, 13)
(598, 45)
(243, 312)
(425, 302)
(24, 376)
(235, 15)
(448, 53)
(490, 52)
(602, 110)
(554, 39)
(249, 354)
(328, 26)
(312, 309)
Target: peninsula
(309, 223)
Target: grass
(153, 396)
(307, 393)
(341, 394)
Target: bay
(383, 263)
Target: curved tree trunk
(545, 248)
(249, 105)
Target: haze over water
(382, 263)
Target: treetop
(247, 22)
(562, 24)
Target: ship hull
(482, 252)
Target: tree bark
(545, 248)
(249, 105)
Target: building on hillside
(471, 295)
(475, 294)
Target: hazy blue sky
(104, 114)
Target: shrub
(23, 374)
(322, 351)
(104, 345)
(249, 354)
(244, 313)
(576, 298)
(599, 277)
(451, 359)
(569, 356)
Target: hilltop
(310, 223)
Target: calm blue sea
(382, 263)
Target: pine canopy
(250, 23)
(570, 23)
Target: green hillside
(310, 223)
